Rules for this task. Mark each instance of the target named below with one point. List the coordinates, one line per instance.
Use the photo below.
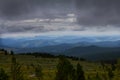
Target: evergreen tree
(89, 78)
(97, 77)
(16, 72)
(65, 70)
(11, 52)
(117, 71)
(6, 53)
(3, 75)
(110, 74)
(79, 73)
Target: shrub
(65, 70)
(38, 71)
(16, 72)
(3, 75)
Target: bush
(79, 73)
(38, 71)
(16, 72)
(65, 70)
(3, 75)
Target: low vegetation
(50, 67)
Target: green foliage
(110, 72)
(51, 72)
(65, 70)
(97, 77)
(89, 78)
(3, 75)
(38, 71)
(16, 72)
(79, 73)
(6, 53)
(11, 52)
(117, 71)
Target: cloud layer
(59, 15)
(99, 12)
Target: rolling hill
(94, 52)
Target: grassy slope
(48, 65)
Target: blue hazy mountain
(93, 48)
(57, 44)
(42, 41)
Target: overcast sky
(44, 16)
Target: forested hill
(94, 52)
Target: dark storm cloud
(10, 9)
(98, 12)
(88, 12)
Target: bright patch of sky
(61, 33)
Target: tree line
(42, 55)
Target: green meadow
(48, 65)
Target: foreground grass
(49, 67)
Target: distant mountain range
(88, 47)
(43, 41)
(94, 52)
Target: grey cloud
(96, 12)
(92, 13)
(12, 8)
(15, 9)
(21, 28)
(100, 12)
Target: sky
(59, 17)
